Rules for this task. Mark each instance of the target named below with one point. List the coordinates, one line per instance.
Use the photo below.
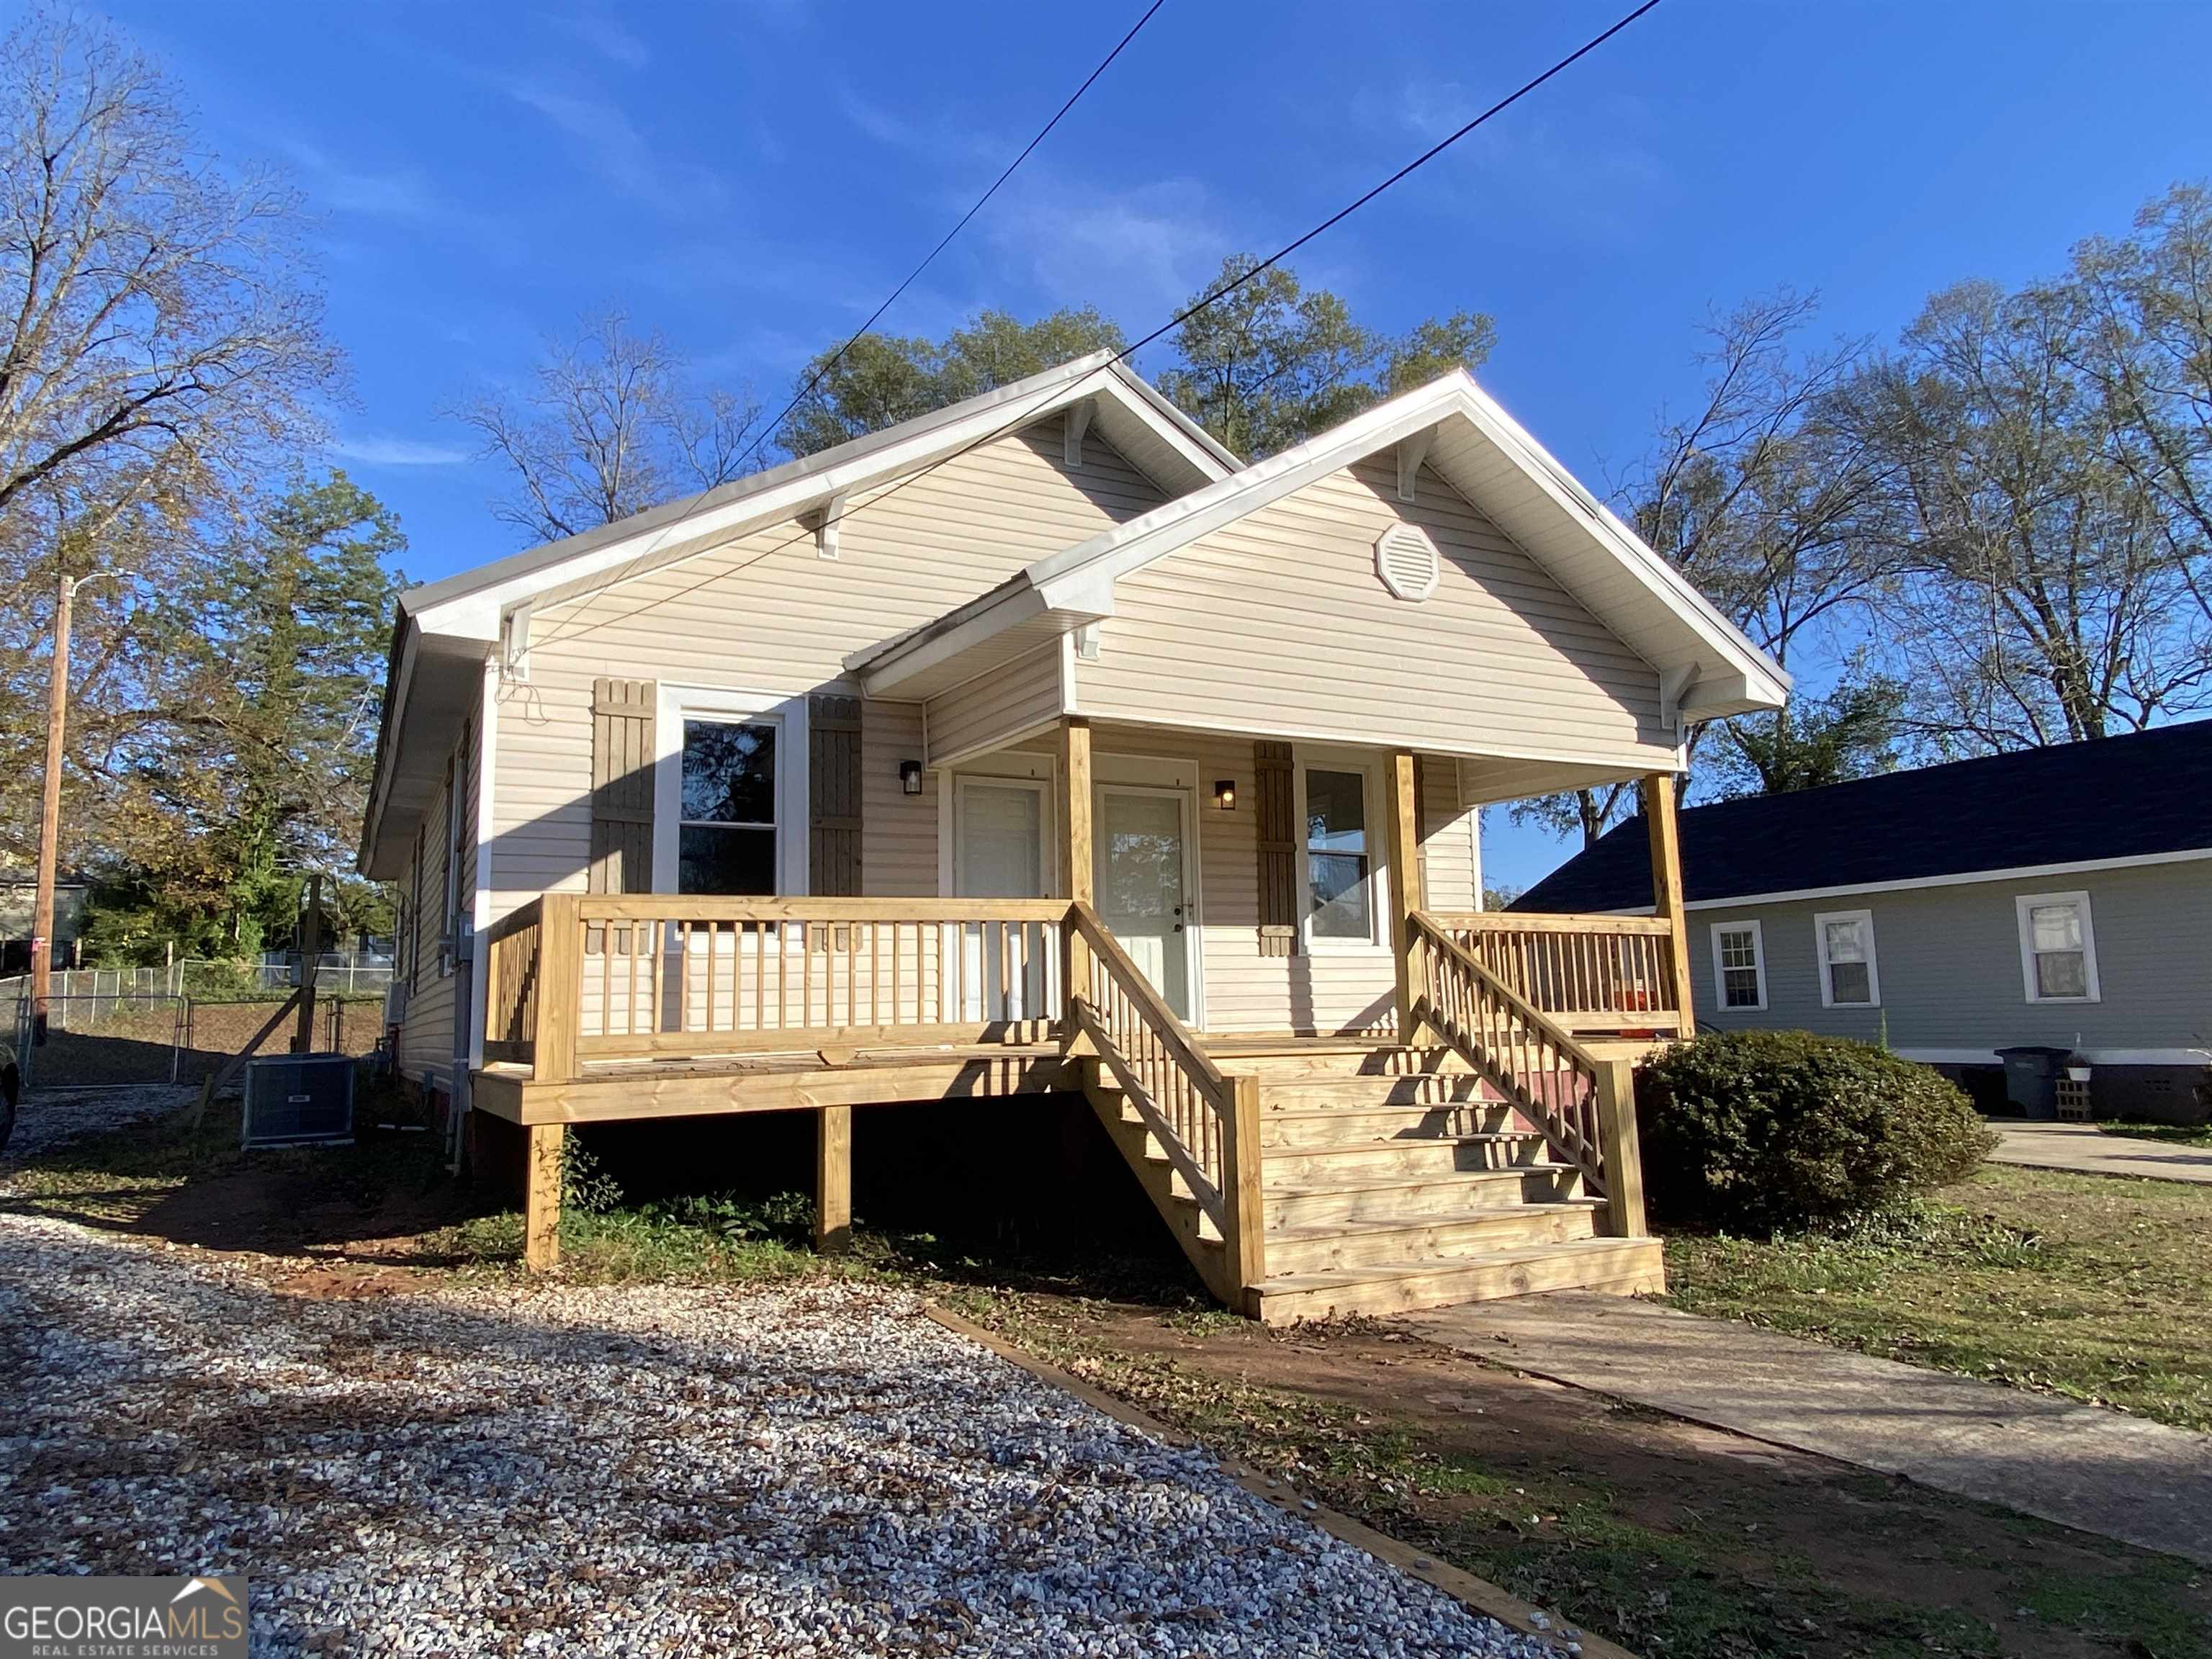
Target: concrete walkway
(2080, 1466)
(2084, 1149)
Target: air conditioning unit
(295, 1099)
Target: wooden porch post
(1404, 852)
(1244, 1240)
(559, 987)
(541, 1196)
(1659, 821)
(1618, 1144)
(1076, 882)
(833, 1179)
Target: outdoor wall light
(910, 776)
(1224, 793)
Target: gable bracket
(1411, 451)
(1079, 422)
(823, 522)
(1674, 685)
(515, 645)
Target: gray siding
(1950, 970)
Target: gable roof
(1707, 668)
(445, 630)
(2144, 796)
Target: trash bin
(2031, 1079)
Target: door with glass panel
(1141, 849)
(998, 852)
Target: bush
(1765, 1132)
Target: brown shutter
(622, 786)
(1275, 801)
(833, 771)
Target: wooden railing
(1206, 1120)
(1587, 973)
(578, 977)
(1585, 1106)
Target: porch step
(1339, 1062)
(1305, 1091)
(1337, 1125)
(1410, 1155)
(1622, 1266)
(1435, 1239)
(1390, 1197)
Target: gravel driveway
(818, 1471)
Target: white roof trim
(1075, 576)
(470, 606)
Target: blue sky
(751, 176)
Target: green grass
(2180, 1134)
(2087, 1286)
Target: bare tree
(150, 298)
(608, 430)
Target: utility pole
(50, 807)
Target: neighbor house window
(1339, 863)
(1849, 976)
(726, 835)
(1739, 965)
(2057, 947)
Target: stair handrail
(1205, 1120)
(1475, 1012)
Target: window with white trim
(2057, 947)
(1739, 966)
(1850, 977)
(1339, 858)
(726, 833)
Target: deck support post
(1244, 1239)
(1402, 824)
(833, 1179)
(1618, 1145)
(544, 1148)
(1077, 874)
(1657, 791)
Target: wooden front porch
(1485, 1144)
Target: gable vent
(1406, 560)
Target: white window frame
(1865, 919)
(677, 703)
(2023, 909)
(1369, 767)
(1721, 1004)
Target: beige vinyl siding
(765, 613)
(898, 845)
(1448, 872)
(1949, 962)
(994, 707)
(426, 1035)
(1278, 623)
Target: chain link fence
(135, 1037)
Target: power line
(906, 281)
(1226, 288)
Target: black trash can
(2031, 1079)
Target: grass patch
(2077, 1284)
(2178, 1134)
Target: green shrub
(1765, 1132)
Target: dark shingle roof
(2149, 791)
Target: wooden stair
(1392, 1179)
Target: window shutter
(833, 771)
(1275, 800)
(622, 786)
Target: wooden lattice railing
(1585, 1106)
(511, 947)
(1205, 1121)
(1582, 972)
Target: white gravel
(48, 1117)
(819, 1471)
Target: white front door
(998, 852)
(1144, 885)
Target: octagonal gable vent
(1406, 560)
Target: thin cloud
(607, 141)
(397, 451)
(405, 194)
(1136, 253)
(605, 34)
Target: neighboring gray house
(2059, 896)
